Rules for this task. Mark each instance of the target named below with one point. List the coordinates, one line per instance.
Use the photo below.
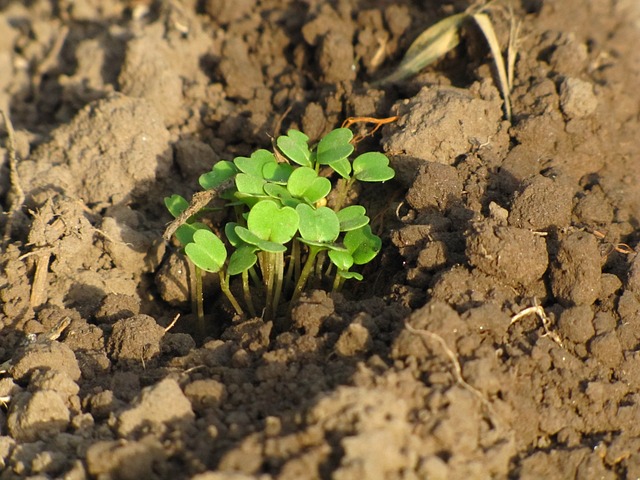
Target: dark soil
(496, 336)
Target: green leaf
(277, 172)
(352, 217)
(323, 245)
(273, 223)
(281, 194)
(362, 244)
(372, 167)
(318, 225)
(334, 146)
(250, 199)
(230, 233)
(305, 183)
(220, 172)
(249, 184)
(342, 260)
(242, 259)
(296, 147)
(253, 166)
(207, 251)
(176, 204)
(348, 275)
(342, 167)
(251, 238)
(185, 232)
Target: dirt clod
(516, 255)
(156, 407)
(575, 272)
(135, 339)
(495, 335)
(37, 415)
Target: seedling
(284, 230)
(444, 36)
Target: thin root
(546, 322)
(378, 122)
(457, 369)
(173, 322)
(618, 247)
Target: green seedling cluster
(283, 233)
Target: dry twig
(16, 188)
(198, 202)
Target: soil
(496, 336)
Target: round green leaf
(352, 217)
(220, 172)
(273, 223)
(206, 251)
(318, 225)
(253, 166)
(242, 259)
(372, 167)
(277, 172)
(249, 184)
(348, 275)
(232, 236)
(251, 238)
(362, 244)
(334, 146)
(342, 260)
(281, 194)
(176, 204)
(305, 183)
(295, 146)
(185, 232)
(342, 167)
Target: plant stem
(308, 267)
(196, 298)
(322, 257)
(224, 286)
(342, 194)
(254, 276)
(279, 273)
(293, 260)
(247, 293)
(337, 282)
(268, 276)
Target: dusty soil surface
(496, 336)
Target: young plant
(283, 231)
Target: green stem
(322, 257)
(196, 298)
(268, 275)
(254, 276)
(342, 194)
(297, 259)
(293, 259)
(279, 273)
(224, 286)
(329, 269)
(337, 282)
(247, 293)
(308, 267)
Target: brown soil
(498, 334)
